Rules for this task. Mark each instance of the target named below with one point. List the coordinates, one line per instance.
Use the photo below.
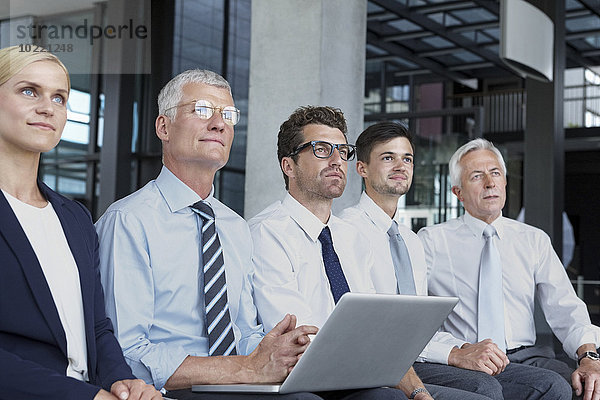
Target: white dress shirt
(368, 218)
(530, 269)
(150, 269)
(48, 240)
(289, 271)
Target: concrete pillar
(543, 193)
(309, 52)
(543, 166)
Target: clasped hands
(280, 349)
(129, 389)
(484, 356)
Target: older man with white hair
(498, 267)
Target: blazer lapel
(15, 237)
(82, 253)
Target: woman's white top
(45, 233)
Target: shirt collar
(177, 194)
(308, 221)
(375, 213)
(476, 226)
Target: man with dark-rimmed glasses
(305, 258)
(176, 262)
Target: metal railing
(582, 106)
(504, 110)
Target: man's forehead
(198, 91)
(322, 132)
(400, 145)
(480, 158)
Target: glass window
(215, 35)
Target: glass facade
(70, 168)
(207, 34)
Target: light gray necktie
(490, 312)
(401, 259)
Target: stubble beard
(387, 189)
(316, 188)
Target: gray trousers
(450, 393)
(367, 394)
(542, 357)
(517, 382)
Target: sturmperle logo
(85, 30)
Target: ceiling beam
(592, 5)
(454, 29)
(576, 57)
(582, 34)
(409, 55)
(430, 25)
(445, 6)
(490, 5)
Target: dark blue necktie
(333, 268)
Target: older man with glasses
(176, 262)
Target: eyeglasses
(325, 149)
(205, 110)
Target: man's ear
(361, 168)
(287, 166)
(160, 126)
(457, 192)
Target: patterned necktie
(333, 268)
(221, 340)
(490, 312)
(401, 259)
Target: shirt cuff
(590, 334)
(247, 345)
(156, 363)
(438, 352)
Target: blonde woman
(55, 339)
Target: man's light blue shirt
(150, 269)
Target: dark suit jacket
(33, 345)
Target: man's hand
(482, 356)
(280, 350)
(586, 379)
(104, 395)
(134, 389)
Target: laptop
(369, 340)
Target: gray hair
(475, 144)
(170, 95)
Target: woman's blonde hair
(13, 59)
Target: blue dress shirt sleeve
(251, 332)
(125, 264)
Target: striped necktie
(218, 322)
